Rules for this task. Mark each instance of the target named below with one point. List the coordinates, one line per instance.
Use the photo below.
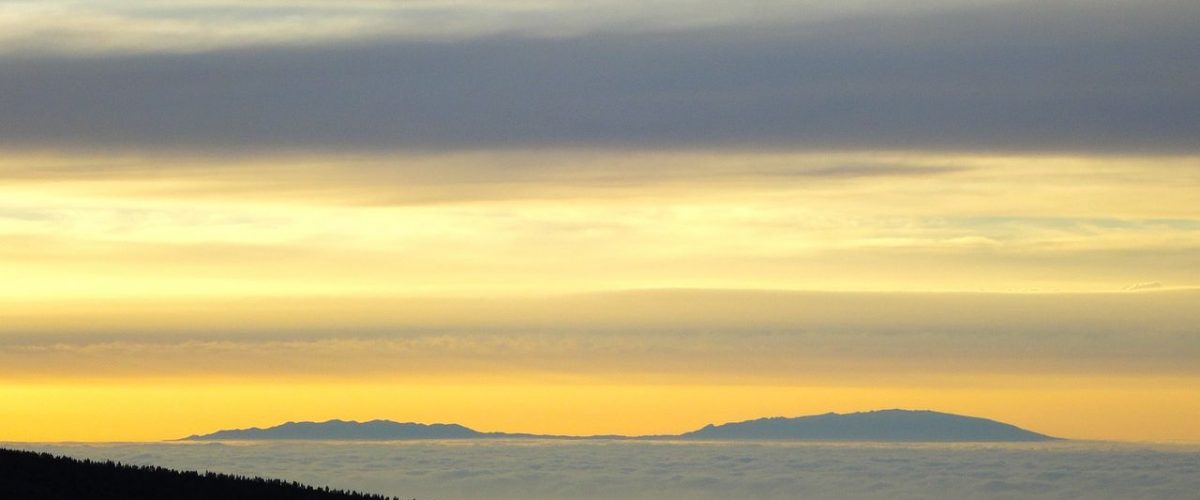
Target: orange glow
(583, 292)
(80, 410)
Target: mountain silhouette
(346, 431)
(882, 425)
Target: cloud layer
(224, 211)
(721, 335)
(611, 470)
(1109, 76)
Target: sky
(597, 217)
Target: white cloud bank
(611, 470)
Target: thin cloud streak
(519, 223)
(680, 334)
(98, 28)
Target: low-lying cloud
(611, 470)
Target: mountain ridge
(878, 425)
(896, 425)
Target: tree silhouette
(42, 476)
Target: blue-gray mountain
(883, 425)
(374, 430)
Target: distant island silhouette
(882, 425)
(28, 475)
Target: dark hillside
(40, 476)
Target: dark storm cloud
(1024, 76)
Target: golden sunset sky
(597, 217)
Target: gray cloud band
(1117, 78)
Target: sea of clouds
(512, 469)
